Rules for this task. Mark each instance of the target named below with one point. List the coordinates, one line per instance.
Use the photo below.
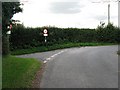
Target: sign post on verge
(45, 33)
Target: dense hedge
(108, 33)
(22, 37)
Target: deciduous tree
(8, 10)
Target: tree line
(22, 38)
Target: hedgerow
(22, 38)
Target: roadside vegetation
(54, 47)
(18, 72)
(30, 40)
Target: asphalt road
(85, 67)
(40, 56)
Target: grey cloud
(66, 7)
(114, 17)
(100, 17)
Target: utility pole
(108, 13)
(108, 1)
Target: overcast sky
(67, 13)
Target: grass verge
(54, 47)
(18, 72)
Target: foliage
(24, 38)
(108, 33)
(8, 10)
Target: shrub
(22, 38)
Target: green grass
(54, 47)
(18, 72)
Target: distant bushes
(108, 34)
(22, 37)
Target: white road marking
(60, 52)
(53, 56)
(47, 59)
(56, 54)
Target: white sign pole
(45, 39)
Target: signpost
(45, 33)
(9, 28)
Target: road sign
(8, 32)
(45, 34)
(45, 31)
(10, 26)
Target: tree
(8, 10)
